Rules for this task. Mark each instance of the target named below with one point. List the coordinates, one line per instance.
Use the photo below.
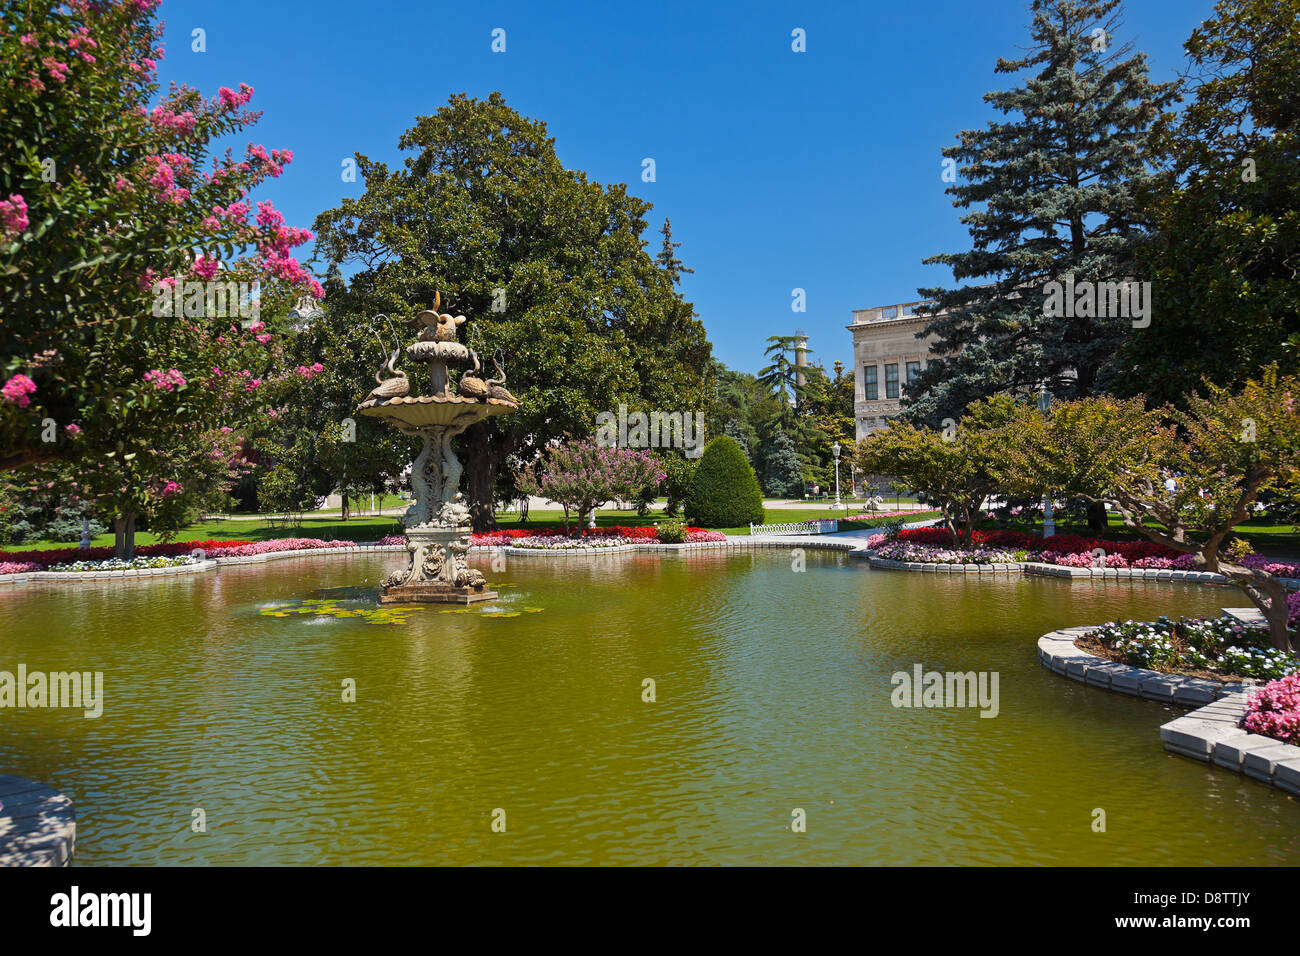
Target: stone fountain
(437, 524)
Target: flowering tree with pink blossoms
(582, 475)
(110, 195)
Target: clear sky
(779, 170)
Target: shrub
(724, 492)
(672, 532)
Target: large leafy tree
(104, 205)
(1049, 192)
(550, 268)
(1224, 450)
(955, 466)
(1226, 210)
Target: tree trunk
(483, 457)
(124, 537)
(345, 509)
(1097, 519)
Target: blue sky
(779, 170)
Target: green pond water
(223, 691)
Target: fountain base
(435, 594)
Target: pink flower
(206, 268)
(73, 429)
(164, 381)
(17, 389)
(13, 216)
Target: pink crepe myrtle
(13, 216)
(164, 381)
(17, 389)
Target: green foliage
(550, 267)
(782, 471)
(724, 492)
(953, 467)
(1049, 192)
(1226, 209)
(1223, 450)
(672, 531)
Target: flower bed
(1215, 647)
(557, 539)
(1077, 551)
(1275, 710)
(117, 564)
(13, 562)
(873, 515)
(929, 554)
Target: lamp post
(835, 450)
(1049, 526)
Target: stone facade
(885, 351)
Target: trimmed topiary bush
(724, 492)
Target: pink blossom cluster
(167, 120)
(18, 567)
(232, 100)
(1293, 608)
(310, 371)
(17, 389)
(164, 381)
(13, 216)
(1275, 710)
(170, 490)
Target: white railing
(820, 526)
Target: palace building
(887, 356)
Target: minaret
(800, 355)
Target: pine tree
(782, 471)
(1049, 192)
(667, 259)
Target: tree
(1050, 194)
(954, 467)
(780, 375)
(667, 259)
(550, 267)
(724, 492)
(1226, 210)
(104, 207)
(318, 430)
(582, 475)
(782, 471)
(1223, 451)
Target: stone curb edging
(1060, 571)
(1214, 735)
(209, 564)
(1050, 570)
(738, 542)
(1211, 734)
(1058, 652)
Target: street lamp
(1049, 526)
(835, 450)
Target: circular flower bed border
(1211, 734)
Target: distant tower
(800, 355)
